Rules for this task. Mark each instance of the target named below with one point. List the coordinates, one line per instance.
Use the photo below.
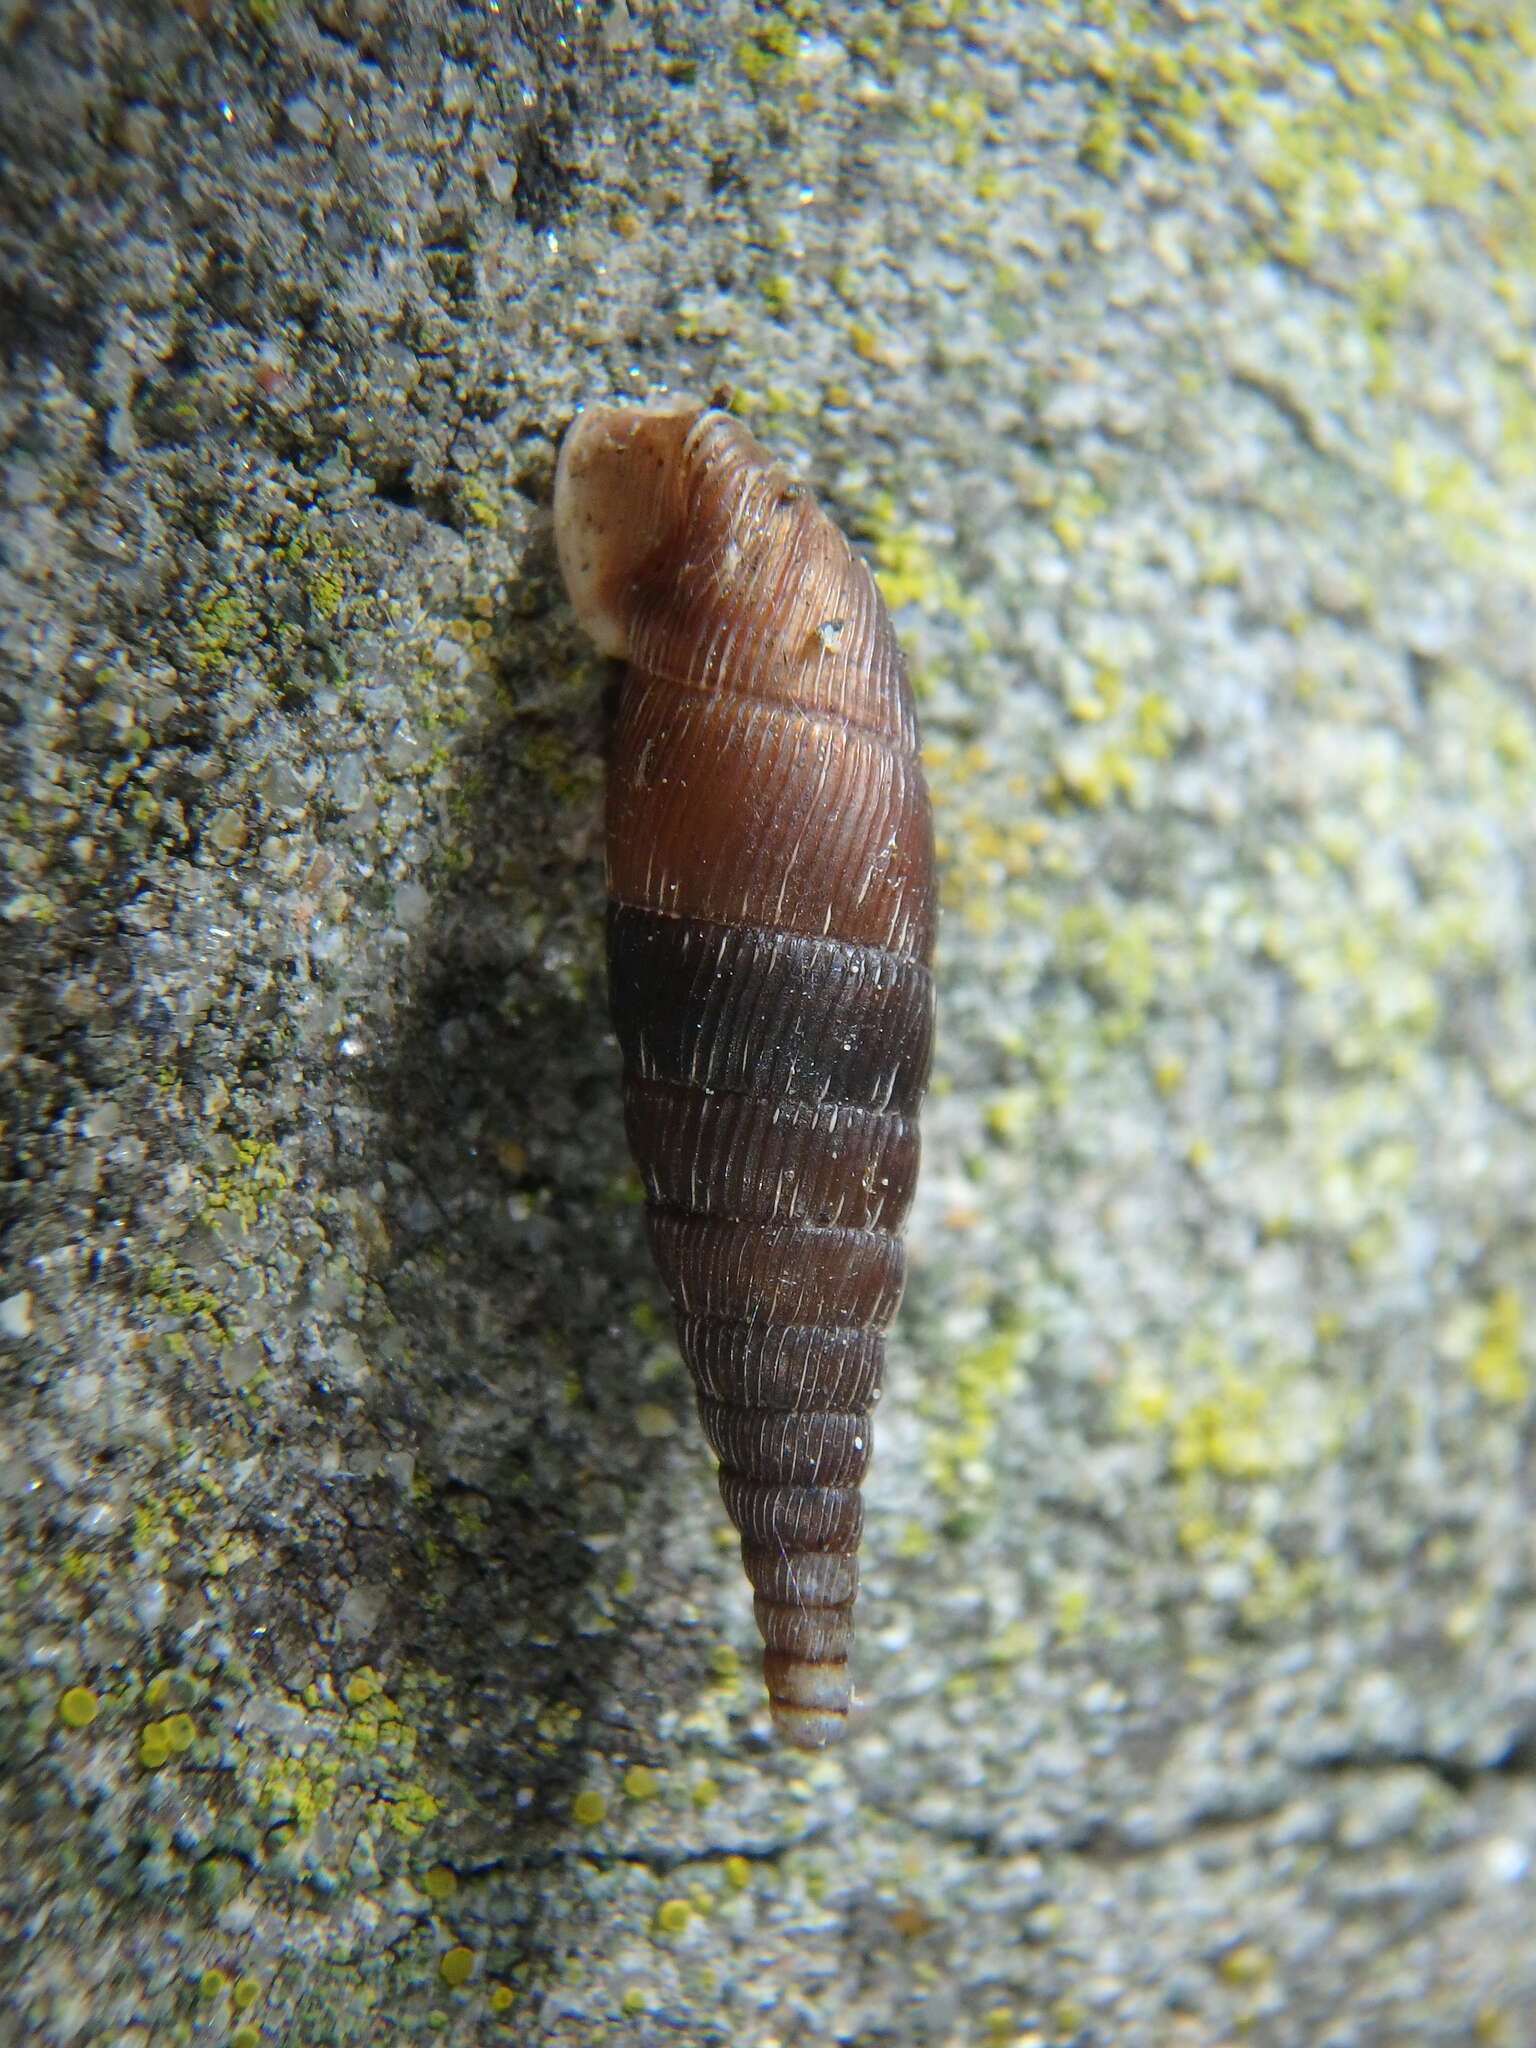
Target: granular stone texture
(375, 1664)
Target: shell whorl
(771, 916)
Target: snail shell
(770, 924)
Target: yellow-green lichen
(178, 1732)
(1070, 1606)
(1111, 764)
(778, 293)
(77, 1707)
(363, 1685)
(80, 1567)
(963, 1409)
(456, 1967)
(179, 1294)
(244, 1190)
(365, 1751)
(326, 591)
(910, 571)
(1487, 1340)
(1231, 1433)
(222, 627)
(991, 845)
(571, 774)
(154, 1750)
(1153, 96)
(478, 502)
(1117, 951)
(1380, 136)
(768, 55)
(1245, 1964)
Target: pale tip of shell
(807, 1727)
(612, 482)
(810, 1703)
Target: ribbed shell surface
(770, 875)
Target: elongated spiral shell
(770, 924)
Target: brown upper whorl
(688, 550)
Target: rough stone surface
(374, 1664)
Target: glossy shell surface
(770, 928)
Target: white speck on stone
(1506, 1860)
(305, 117)
(16, 1316)
(282, 788)
(227, 831)
(272, 1716)
(358, 1615)
(404, 1898)
(618, 30)
(241, 1363)
(149, 1603)
(120, 437)
(347, 1359)
(411, 904)
(24, 483)
(457, 91)
(1227, 1583)
(78, 1391)
(347, 785)
(103, 1120)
